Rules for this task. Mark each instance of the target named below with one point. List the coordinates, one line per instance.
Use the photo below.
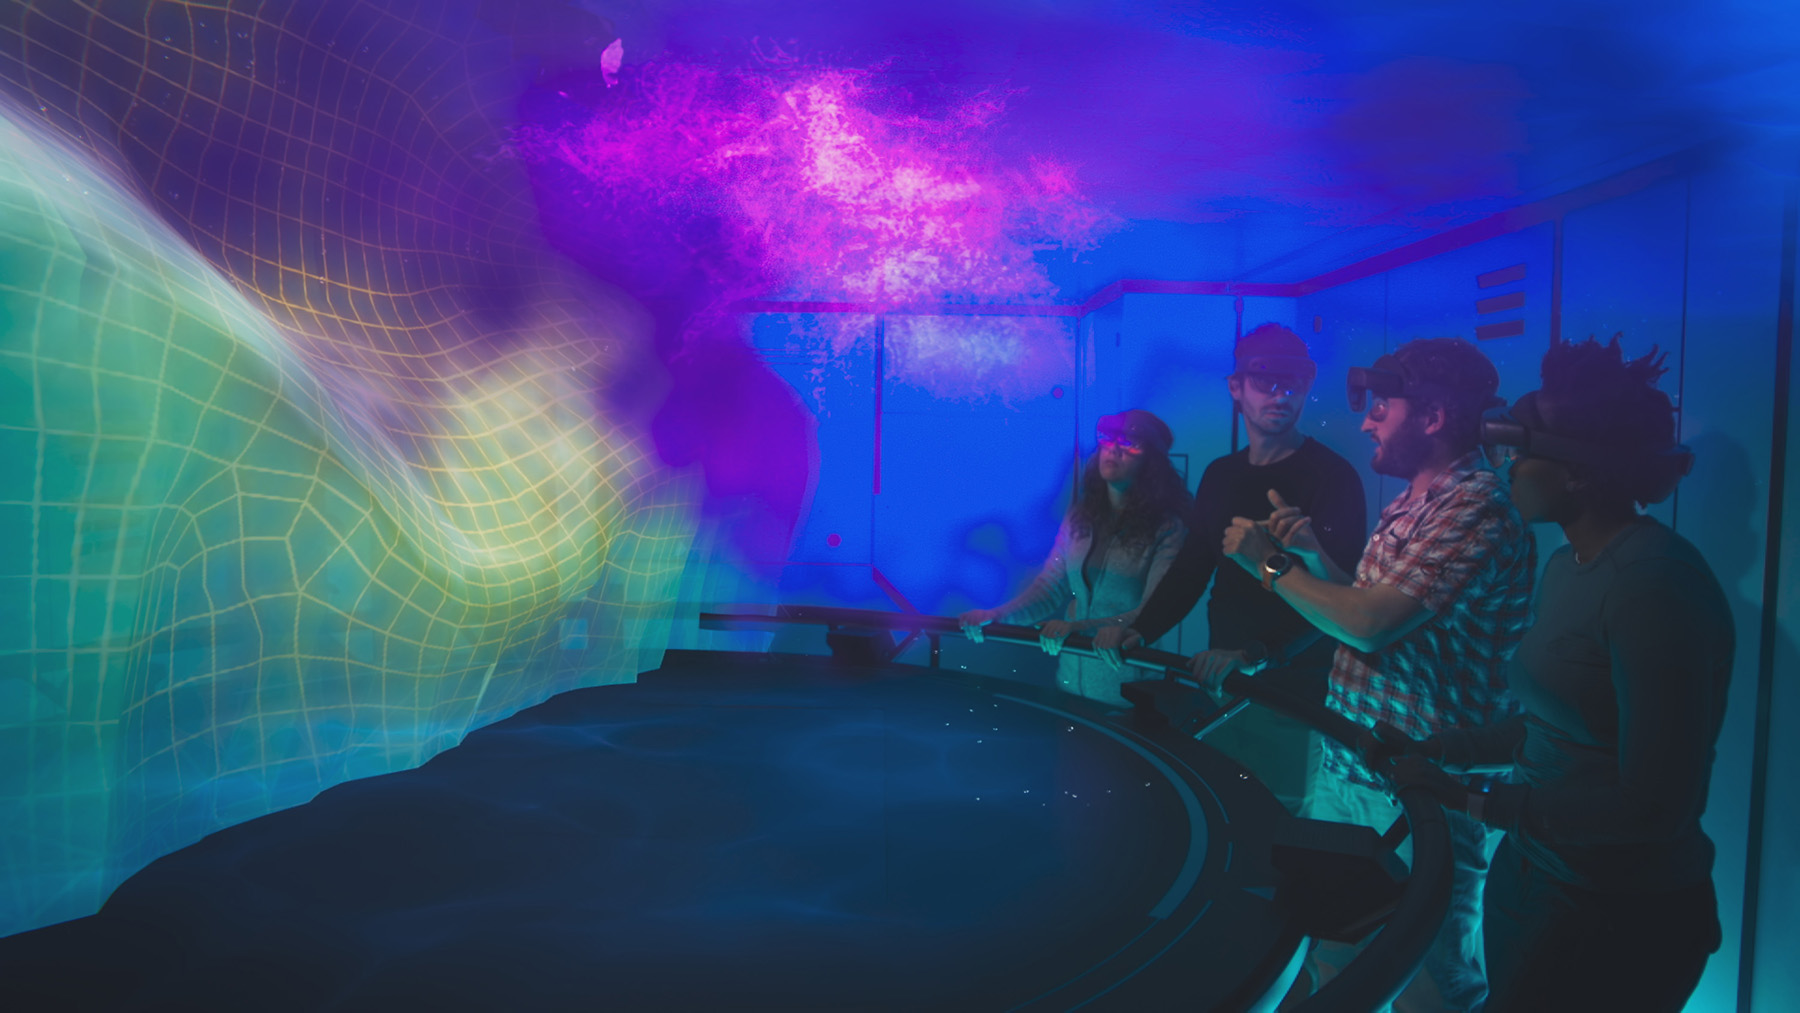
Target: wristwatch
(1256, 654)
(1273, 567)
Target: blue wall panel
(974, 479)
(1733, 285)
(1624, 272)
(1778, 928)
(1100, 382)
(1352, 331)
(1623, 268)
(829, 360)
(1441, 297)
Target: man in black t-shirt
(1274, 371)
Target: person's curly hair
(1467, 379)
(1157, 495)
(1593, 392)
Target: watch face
(1278, 563)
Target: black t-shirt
(1322, 484)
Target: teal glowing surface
(306, 471)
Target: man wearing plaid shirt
(1438, 604)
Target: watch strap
(1269, 573)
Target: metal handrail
(1387, 964)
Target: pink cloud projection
(816, 184)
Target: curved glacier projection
(305, 471)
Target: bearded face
(1401, 443)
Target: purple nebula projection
(749, 434)
(697, 188)
(801, 183)
(807, 183)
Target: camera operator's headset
(1521, 427)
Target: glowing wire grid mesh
(304, 472)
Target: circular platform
(733, 832)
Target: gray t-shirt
(1623, 678)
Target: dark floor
(728, 834)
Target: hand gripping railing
(1390, 959)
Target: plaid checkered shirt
(1461, 551)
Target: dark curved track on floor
(733, 832)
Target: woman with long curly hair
(1601, 896)
(1120, 535)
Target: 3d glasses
(1273, 384)
(1387, 378)
(1518, 431)
(1134, 431)
(1293, 369)
(1122, 441)
(1508, 433)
